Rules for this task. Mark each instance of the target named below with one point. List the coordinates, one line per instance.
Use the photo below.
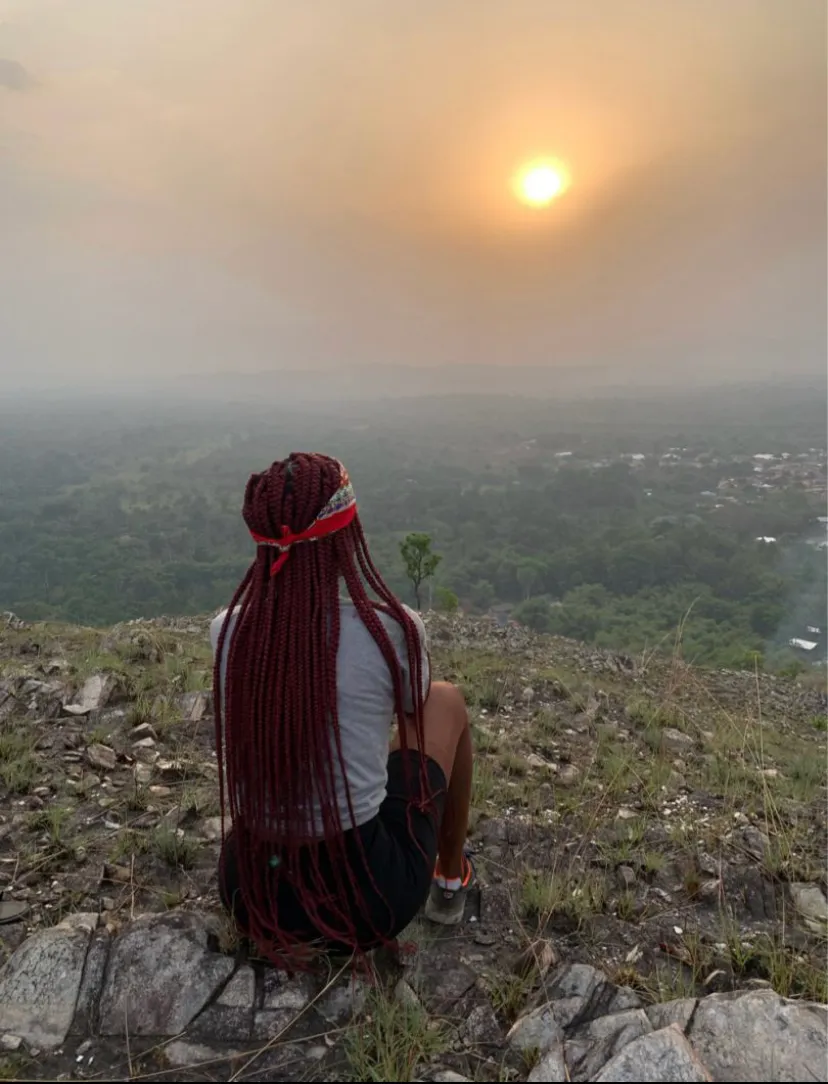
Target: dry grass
(395, 1037)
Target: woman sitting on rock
(335, 837)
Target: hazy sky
(193, 185)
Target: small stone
(116, 874)
(567, 774)
(211, 829)
(108, 903)
(449, 1075)
(528, 694)
(481, 1026)
(182, 1055)
(143, 730)
(10, 1043)
(626, 876)
(756, 842)
(142, 774)
(710, 890)
(708, 864)
(625, 814)
(810, 902)
(173, 771)
(101, 756)
(144, 743)
(193, 706)
(405, 995)
(535, 761)
(93, 695)
(675, 741)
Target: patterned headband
(336, 514)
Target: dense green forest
(609, 522)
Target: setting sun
(538, 183)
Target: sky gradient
(192, 186)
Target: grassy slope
(642, 815)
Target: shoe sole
(443, 917)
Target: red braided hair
(277, 727)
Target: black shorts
(391, 862)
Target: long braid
(277, 727)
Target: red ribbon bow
(320, 528)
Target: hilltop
(645, 833)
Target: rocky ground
(650, 841)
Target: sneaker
(446, 905)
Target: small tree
(447, 601)
(419, 561)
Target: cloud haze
(250, 184)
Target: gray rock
(760, 1036)
(481, 1026)
(94, 693)
(675, 741)
(160, 976)
(449, 1076)
(567, 775)
(663, 1055)
(344, 1001)
(10, 1043)
(269, 1024)
(181, 1055)
(440, 984)
(575, 980)
(756, 842)
(671, 1012)
(283, 992)
(551, 1067)
(283, 1002)
(537, 1030)
(193, 706)
(404, 995)
(142, 774)
(101, 756)
(601, 1039)
(84, 1022)
(211, 829)
(230, 1017)
(581, 993)
(39, 985)
(143, 730)
(626, 877)
(810, 902)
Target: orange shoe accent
(465, 877)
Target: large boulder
(663, 1055)
(760, 1036)
(161, 975)
(39, 985)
